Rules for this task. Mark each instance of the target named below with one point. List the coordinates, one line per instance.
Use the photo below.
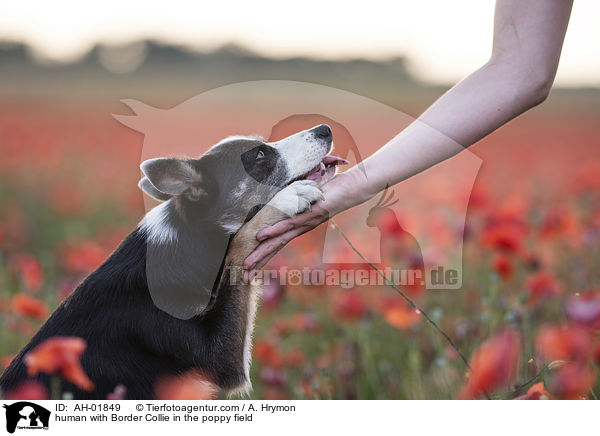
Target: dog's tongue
(334, 160)
(327, 163)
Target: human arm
(528, 37)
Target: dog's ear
(145, 185)
(171, 176)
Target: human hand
(275, 237)
(340, 193)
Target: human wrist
(342, 193)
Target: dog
(171, 298)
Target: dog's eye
(260, 154)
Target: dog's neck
(183, 259)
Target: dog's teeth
(322, 166)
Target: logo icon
(419, 237)
(26, 415)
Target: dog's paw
(297, 197)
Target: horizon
(438, 50)
(145, 46)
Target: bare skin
(528, 38)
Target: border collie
(169, 300)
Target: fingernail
(245, 279)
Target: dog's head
(240, 173)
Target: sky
(444, 40)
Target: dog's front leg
(236, 301)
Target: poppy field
(527, 318)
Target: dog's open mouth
(324, 171)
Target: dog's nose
(323, 131)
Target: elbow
(534, 83)
(528, 82)
(536, 87)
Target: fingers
(287, 238)
(275, 237)
(308, 218)
(249, 275)
(269, 246)
(265, 251)
(275, 230)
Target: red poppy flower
(189, 386)
(268, 354)
(402, 317)
(572, 381)
(478, 197)
(30, 270)
(26, 305)
(536, 392)
(386, 220)
(503, 266)
(349, 305)
(542, 285)
(61, 356)
(572, 343)
(504, 237)
(493, 364)
(558, 222)
(28, 390)
(82, 257)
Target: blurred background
(69, 172)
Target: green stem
(55, 385)
(517, 390)
(408, 300)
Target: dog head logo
(272, 110)
(26, 415)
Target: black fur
(261, 163)
(112, 310)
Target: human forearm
(475, 107)
(528, 38)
